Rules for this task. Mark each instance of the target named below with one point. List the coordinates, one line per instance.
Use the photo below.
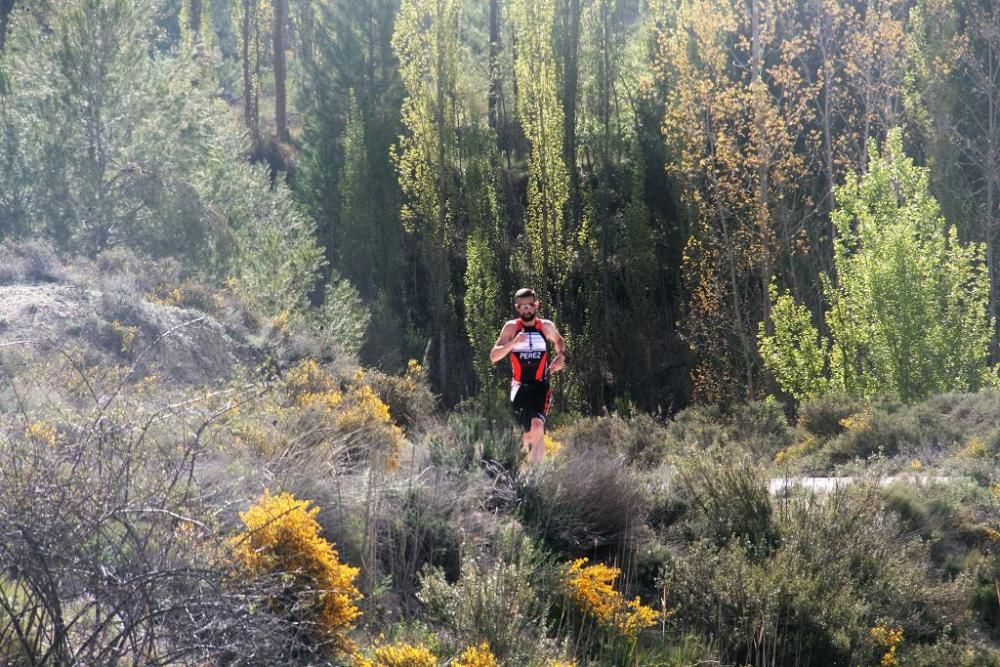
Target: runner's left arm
(559, 360)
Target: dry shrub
(30, 262)
(640, 438)
(729, 499)
(824, 417)
(589, 503)
(409, 397)
(842, 567)
(499, 599)
(107, 552)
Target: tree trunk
(440, 285)
(763, 213)
(571, 77)
(6, 7)
(494, 91)
(194, 21)
(280, 75)
(249, 85)
(993, 68)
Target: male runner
(526, 339)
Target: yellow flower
(42, 432)
(589, 588)
(281, 322)
(126, 334)
(477, 656)
(891, 638)
(975, 448)
(282, 537)
(859, 421)
(364, 412)
(399, 654)
(552, 446)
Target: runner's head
(526, 303)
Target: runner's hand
(519, 339)
(558, 364)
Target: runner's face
(526, 308)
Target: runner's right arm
(505, 342)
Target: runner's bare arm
(505, 341)
(559, 360)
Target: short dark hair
(525, 291)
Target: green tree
(908, 306)
(116, 145)
(350, 101)
(542, 117)
(487, 274)
(426, 42)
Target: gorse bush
(313, 415)
(319, 597)
(400, 654)
(604, 624)
(590, 590)
(476, 656)
(408, 396)
(824, 416)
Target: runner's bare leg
(536, 439)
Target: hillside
(456, 541)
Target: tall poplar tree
(541, 115)
(426, 43)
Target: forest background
(253, 254)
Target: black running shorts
(531, 400)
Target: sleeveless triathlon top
(530, 360)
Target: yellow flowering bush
(282, 537)
(399, 654)
(408, 396)
(477, 656)
(363, 415)
(281, 323)
(552, 446)
(126, 334)
(975, 448)
(891, 639)
(308, 384)
(41, 432)
(859, 421)
(590, 589)
(808, 445)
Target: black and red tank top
(530, 360)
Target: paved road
(827, 484)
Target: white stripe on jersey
(534, 343)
